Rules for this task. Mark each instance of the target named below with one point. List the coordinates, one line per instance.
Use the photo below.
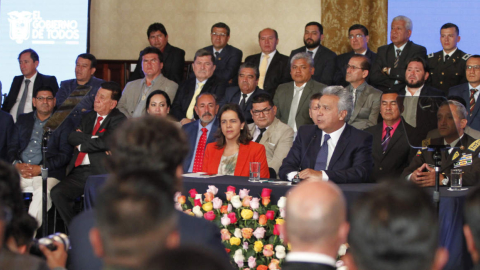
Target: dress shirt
(314, 51)
(358, 91)
(394, 127)
(410, 104)
(270, 57)
(310, 257)
(214, 51)
(28, 102)
(257, 132)
(246, 99)
(400, 48)
(470, 87)
(145, 91)
(32, 154)
(199, 134)
(300, 90)
(86, 160)
(449, 54)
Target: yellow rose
(280, 221)
(207, 207)
(246, 214)
(234, 241)
(289, 247)
(258, 246)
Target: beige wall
(118, 27)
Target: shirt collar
(299, 88)
(454, 143)
(32, 79)
(449, 54)
(209, 126)
(36, 118)
(417, 94)
(310, 257)
(204, 82)
(314, 50)
(335, 136)
(219, 51)
(153, 81)
(400, 48)
(470, 87)
(270, 55)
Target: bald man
(315, 225)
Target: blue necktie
(321, 163)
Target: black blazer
(173, 65)
(306, 266)
(463, 90)
(191, 129)
(324, 63)
(386, 58)
(233, 95)
(186, 90)
(278, 71)
(6, 132)
(40, 80)
(342, 60)
(94, 147)
(227, 63)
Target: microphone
(296, 179)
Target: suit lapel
(242, 159)
(403, 54)
(340, 147)
(315, 147)
(211, 136)
(271, 69)
(288, 97)
(166, 52)
(475, 109)
(399, 133)
(38, 81)
(305, 96)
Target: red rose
(266, 192)
(192, 192)
(270, 215)
(210, 215)
(232, 217)
(198, 202)
(262, 267)
(224, 209)
(276, 229)
(231, 188)
(227, 250)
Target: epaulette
(466, 56)
(426, 142)
(455, 155)
(431, 55)
(419, 152)
(473, 147)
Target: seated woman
(234, 149)
(158, 103)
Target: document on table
(200, 175)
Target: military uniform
(444, 75)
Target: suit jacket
(398, 154)
(12, 260)
(444, 75)
(367, 107)
(227, 63)
(59, 150)
(283, 100)
(132, 91)
(306, 266)
(191, 129)
(463, 90)
(471, 171)
(340, 66)
(173, 65)
(278, 71)
(185, 93)
(40, 80)
(351, 161)
(250, 152)
(324, 63)
(193, 232)
(386, 58)
(95, 147)
(277, 139)
(6, 132)
(234, 95)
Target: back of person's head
(186, 258)
(472, 223)
(395, 227)
(114, 87)
(21, 234)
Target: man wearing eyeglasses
(358, 38)
(25, 150)
(469, 91)
(366, 99)
(268, 130)
(227, 57)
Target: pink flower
(268, 250)
(208, 196)
(229, 208)
(233, 218)
(243, 192)
(225, 220)
(198, 202)
(282, 212)
(255, 215)
(212, 189)
(245, 245)
(276, 229)
(229, 195)
(192, 192)
(217, 203)
(270, 215)
(252, 262)
(231, 188)
(266, 192)
(210, 215)
(255, 203)
(259, 233)
(246, 201)
(178, 206)
(177, 194)
(225, 234)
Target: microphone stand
(437, 158)
(44, 169)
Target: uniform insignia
(455, 155)
(462, 147)
(466, 56)
(431, 55)
(426, 142)
(453, 60)
(219, 58)
(465, 160)
(474, 145)
(419, 152)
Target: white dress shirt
(310, 257)
(28, 103)
(86, 160)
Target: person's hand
(78, 130)
(185, 121)
(22, 169)
(35, 170)
(424, 179)
(56, 258)
(109, 153)
(310, 175)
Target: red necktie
(472, 99)
(81, 155)
(198, 162)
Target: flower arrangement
(250, 226)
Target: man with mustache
(205, 81)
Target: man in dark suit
(173, 57)
(470, 91)
(358, 37)
(6, 130)
(227, 57)
(471, 212)
(90, 142)
(201, 132)
(19, 99)
(330, 149)
(245, 91)
(323, 58)
(315, 246)
(391, 62)
(273, 66)
(203, 82)
(391, 150)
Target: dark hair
(203, 52)
(263, 98)
(244, 137)
(44, 88)
(315, 96)
(471, 213)
(421, 60)
(33, 54)
(114, 88)
(320, 27)
(89, 56)
(158, 92)
(458, 99)
(474, 56)
(151, 49)
(400, 99)
(154, 27)
(394, 226)
(221, 25)
(198, 259)
(22, 229)
(366, 63)
(206, 94)
(250, 65)
(450, 25)
(275, 31)
(358, 27)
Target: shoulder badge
(419, 152)
(455, 155)
(426, 142)
(473, 147)
(466, 56)
(431, 55)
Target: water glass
(456, 179)
(254, 171)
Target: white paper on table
(200, 175)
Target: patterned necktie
(472, 99)
(263, 71)
(310, 53)
(189, 114)
(21, 105)
(198, 162)
(386, 139)
(354, 96)
(262, 130)
(322, 157)
(397, 59)
(81, 155)
(216, 55)
(446, 58)
(243, 102)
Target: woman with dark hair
(234, 149)
(158, 103)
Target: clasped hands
(310, 175)
(424, 179)
(28, 170)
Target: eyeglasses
(353, 67)
(219, 34)
(477, 67)
(265, 111)
(41, 99)
(355, 36)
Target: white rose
(197, 211)
(236, 201)
(280, 252)
(282, 202)
(238, 233)
(198, 196)
(238, 257)
(212, 189)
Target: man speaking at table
(330, 149)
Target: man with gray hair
(331, 149)
(292, 98)
(315, 225)
(391, 62)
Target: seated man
(6, 130)
(25, 149)
(471, 228)
(266, 129)
(331, 149)
(85, 67)
(90, 142)
(451, 120)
